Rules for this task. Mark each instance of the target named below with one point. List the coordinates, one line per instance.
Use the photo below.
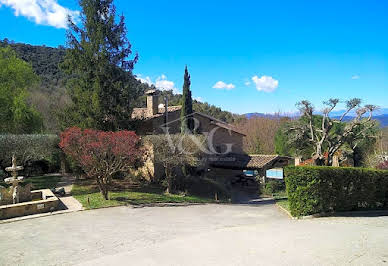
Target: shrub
(313, 189)
(37, 153)
(102, 154)
(273, 186)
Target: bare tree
(172, 151)
(260, 133)
(380, 150)
(51, 104)
(382, 144)
(324, 135)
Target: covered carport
(233, 169)
(255, 162)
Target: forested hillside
(49, 97)
(44, 60)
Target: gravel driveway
(195, 235)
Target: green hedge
(314, 189)
(30, 150)
(273, 186)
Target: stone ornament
(14, 180)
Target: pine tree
(97, 62)
(187, 122)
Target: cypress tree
(187, 122)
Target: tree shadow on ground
(365, 213)
(256, 202)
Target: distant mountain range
(379, 112)
(383, 119)
(380, 115)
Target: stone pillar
(64, 168)
(298, 160)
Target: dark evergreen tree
(97, 62)
(49, 96)
(187, 122)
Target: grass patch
(40, 182)
(279, 195)
(276, 195)
(43, 182)
(90, 197)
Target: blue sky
(244, 56)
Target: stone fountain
(14, 180)
(19, 200)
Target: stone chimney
(152, 102)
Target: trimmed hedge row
(315, 189)
(34, 152)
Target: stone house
(228, 160)
(156, 118)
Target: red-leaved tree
(383, 165)
(102, 154)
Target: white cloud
(146, 80)
(223, 86)
(265, 83)
(161, 83)
(247, 83)
(45, 12)
(199, 99)
(355, 77)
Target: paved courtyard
(195, 235)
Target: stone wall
(6, 194)
(49, 202)
(147, 170)
(174, 123)
(221, 137)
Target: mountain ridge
(45, 62)
(382, 118)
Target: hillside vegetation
(49, 95)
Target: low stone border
(286, 211)
(42, 201)
(34, 216)
(337, 214)
(347, 214)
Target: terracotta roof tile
(259, 161)
(142, 113)
(228, 127)
(244, 161)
